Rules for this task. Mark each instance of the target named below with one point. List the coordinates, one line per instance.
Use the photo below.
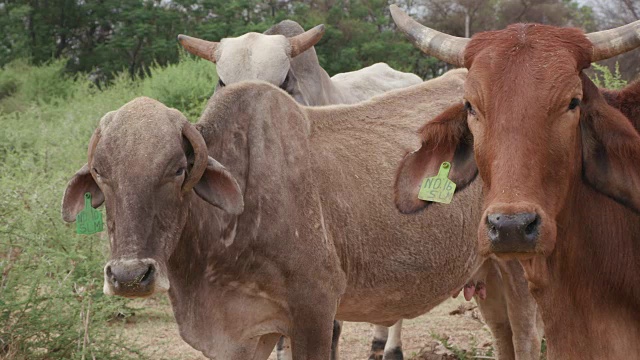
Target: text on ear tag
(89, 220)
(438, 188)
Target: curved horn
(431, 42)
(198, 47)
(300, 43)
(200, 155)
(93, 142)
(613, 42)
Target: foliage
(607, 78)
(186, 86)
(21, 84)
(51, 301)
(106, 37)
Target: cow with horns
(560, 162)
(285, 56)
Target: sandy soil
(153, 328)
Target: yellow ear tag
(438, 188)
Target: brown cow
(309, 232)
(561, 171)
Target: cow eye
(469, 108)
(221, 83)
(575, 102)
(96, 171)
(180, 171)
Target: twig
(86, 328)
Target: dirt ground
(456, 321)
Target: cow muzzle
(513, 229)
(134, 278)
(513, 232)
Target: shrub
(186, 85)
(603, 77)
(22, 84)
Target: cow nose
(513, 233)
(131, 278)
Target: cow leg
(494, 311)
(312, 334)
(335, 340)
(393, 348)
(524, 315)
(283, 349)
(380, 336)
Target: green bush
(23, 84)
(186, 86)
(604, 77)
(51, 301)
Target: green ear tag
(438, 188)
(89, 220)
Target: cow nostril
(532, 228)
(109, 272)
(147, 275)
(492, 230)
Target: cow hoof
(377, 349)
(393, 354)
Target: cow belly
(385, 306)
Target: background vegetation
(65, 63)
(103, 37)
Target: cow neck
(200, 236)
(592, 279)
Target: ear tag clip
(89, 220)
(438, 188)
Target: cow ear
(73, 200)
(445, 138)
(219, 188)
(610, 149)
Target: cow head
(255, 56)
(533, 126)
(146, 162)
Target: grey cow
(299, 219)
(285, 56)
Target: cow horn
(198, 47)
(431, 42)
(93, 142)
(300, 43)
(200, 154)
(613, 42)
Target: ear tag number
(89, 220)
(438, 188)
